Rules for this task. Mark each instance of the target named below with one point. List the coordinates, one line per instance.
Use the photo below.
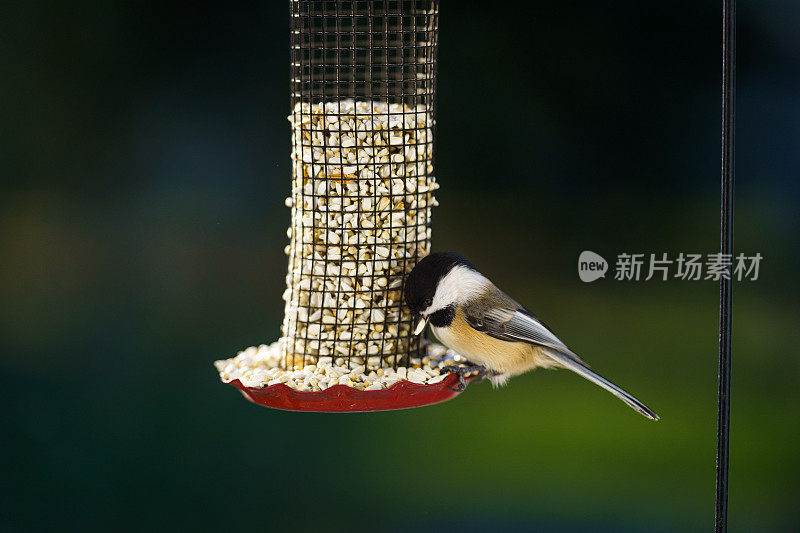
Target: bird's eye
(428, 302)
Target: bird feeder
(363, 95)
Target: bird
(498, 336)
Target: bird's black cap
(421, 283)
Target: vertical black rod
(726, 247)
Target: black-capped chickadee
(470, 315)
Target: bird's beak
(423, 321)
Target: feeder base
(344, 399)
(256, 372)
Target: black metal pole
(726, 247)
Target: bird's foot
(463, 372)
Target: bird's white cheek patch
(460, 285)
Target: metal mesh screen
(363, 79)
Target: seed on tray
(260, 366)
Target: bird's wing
(512, 322)
(502, 318)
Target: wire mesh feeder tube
(363, 80)
(362, 198)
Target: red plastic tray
(344, 399)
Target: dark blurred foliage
(144, 157)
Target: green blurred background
(144, 156)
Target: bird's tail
(580, 369)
